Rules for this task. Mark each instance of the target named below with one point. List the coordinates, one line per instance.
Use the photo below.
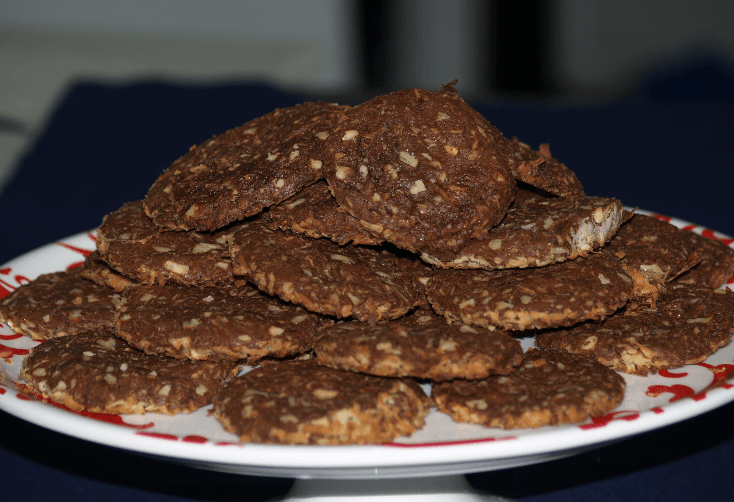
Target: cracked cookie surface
(654, 252)
(539, 169)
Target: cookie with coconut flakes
(58, 304)
(300, 402)
(419, 169)
(241, 171)
(548, 388)
(420, 345)
(97, 270)
(562, 294)
(716, 265)
(314, 212)
(540, 170)
(654, 253)
(688, 323)
(538, 231)
(98, 372)
(365, 283)
(232, 323)
(131, 244)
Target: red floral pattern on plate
(670, 390)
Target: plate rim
(341, 461)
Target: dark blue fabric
(105, 145)
(673, 158)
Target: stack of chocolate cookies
(343, 256)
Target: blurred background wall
(563, 51)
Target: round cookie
(541, 170)
(300, 402)
(419, 169)
(716, 265)
(654, 252)
(539, 231)
(131, 244)
(341, 281)
(687, 324)
(240, 172)
(213, 323)
(97, 270)
(58, 304)
(420, 345)
(98, 372)
(562, 294)
(549, 388)
(314, 212)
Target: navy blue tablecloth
(105, 145)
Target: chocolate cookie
(716, 265)
(419, 169)
(314, 212)
(654, 252)
(420, 345)
(213, 323)
(97, 270)
(687, 324)
(562, 294)
(58, 304)
(341, 281)
(538, 231)
(243, 170)
(98, 372)
(540, 170)
(131, 244)
(299, 402)
(549, 388)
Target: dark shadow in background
(522, 47)
(518, 56)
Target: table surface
(105, 144)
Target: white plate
(442, 448)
